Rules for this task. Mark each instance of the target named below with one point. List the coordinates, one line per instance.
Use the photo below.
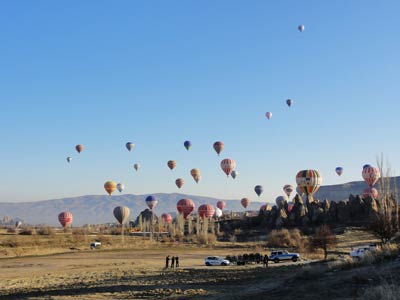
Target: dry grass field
(61, 266)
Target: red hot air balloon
(228, 165)
(167, 218)
(221, 205)
(218, 147)
(185, 207)
(371, 175)
(179, 182)
(79, 148)
(65, 219)
(245, 202)
(206, 211)
(370, 192)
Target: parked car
(361, 251)
(95, 245)
(277, 256)
(216, 261)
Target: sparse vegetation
(285, 238)
(323, 239)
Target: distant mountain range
(94, 209)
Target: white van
(95, 245)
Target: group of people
(174, 262)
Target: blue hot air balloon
(339, 170)
(151, 201)
(258, 189)
(366, 166)
(187, 145)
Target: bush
(287, 239)
(45, 231)
(27, 231)
(103, 239)
(385, 291)
(11, 230)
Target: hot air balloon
(366, 166)
(308, 182)
(121, 213)
(300, 27)
(288, 189)
(185, 207)
(228, 165)
(120, 187)
(280, 201)
(218, 213)
(129, 146)
(136, 166)
(65, 219)
(371, 175)
(167, 218)
(110, 187)
(221, 205)
(18, 224)
(206, 211)
(69, 158)
(196, 175)
(258, 189)
(179, 182)
(151, 201)
(289, 102)
(268, 114)
(370, 192)
(245, 202)
(339, 170)
(79, 148)
(187, 144)
(218, 147)
(234, 173)
(171, 164)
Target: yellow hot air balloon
(196, 175)
(110, 187)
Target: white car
(216, 261)
(360, 251)
(95, 245)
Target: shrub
(11, 230)
(45, 231)
(27, 231)
(287, 239)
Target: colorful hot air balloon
(179, 182)
(79, 148)
(258, 189)
(234, 174)
(301, 27)
(268, 114)
(69, 158)
(218, 147)
(151, 201)
(218, 213)
(110, 187)
(366, 166)
(120, 187)
(339, 170)
(245, 202)
(171, 164)
(196, 175)
(221, 205)
(65, 219)
(289, 102)
(185, 207)
(167, 218)
(370, 192)
(288, 189)
(206, 211)
(129, 146)
(121, 213)
(228, 165)
(187, 144)
(371, 175)
(136, 166)
(308, 182)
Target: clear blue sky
(156, 73)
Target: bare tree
(385, 222)
(323, 239)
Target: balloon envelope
(289, 102)
(69, 158)
(185, 207)
(179, 182)
(245, 202)
(167, 218)
(268, 114)
(206, 211)
(339, 170)
(308, 181)
(218, 213)
(129, 146)
(366, 166)
(258, 189)
(151, 201)
(187, 144)
(196, 175)
(288, 189)
(79, 148)
(301, 28)
(234, 174)
(121, 213)
(218, 147)
(228, 165)
(120, 187)
(221, 205)
(136, 166)
(110, 187)
(171, 164)
(370, 192)
(371, 175)
(65, 218)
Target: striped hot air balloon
(65, 218)
(110, 187)
(206, 211)
(121, 213)
(167, 218)
(185, 207)
(308, 181)
(371, 175)
(228, 165)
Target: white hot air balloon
(69, 158)
(218, 212)
(301, 27)
(268, 114)
(120, 187)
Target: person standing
(265, 261)
(176, 261)
(167, 262)
(172, 262)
